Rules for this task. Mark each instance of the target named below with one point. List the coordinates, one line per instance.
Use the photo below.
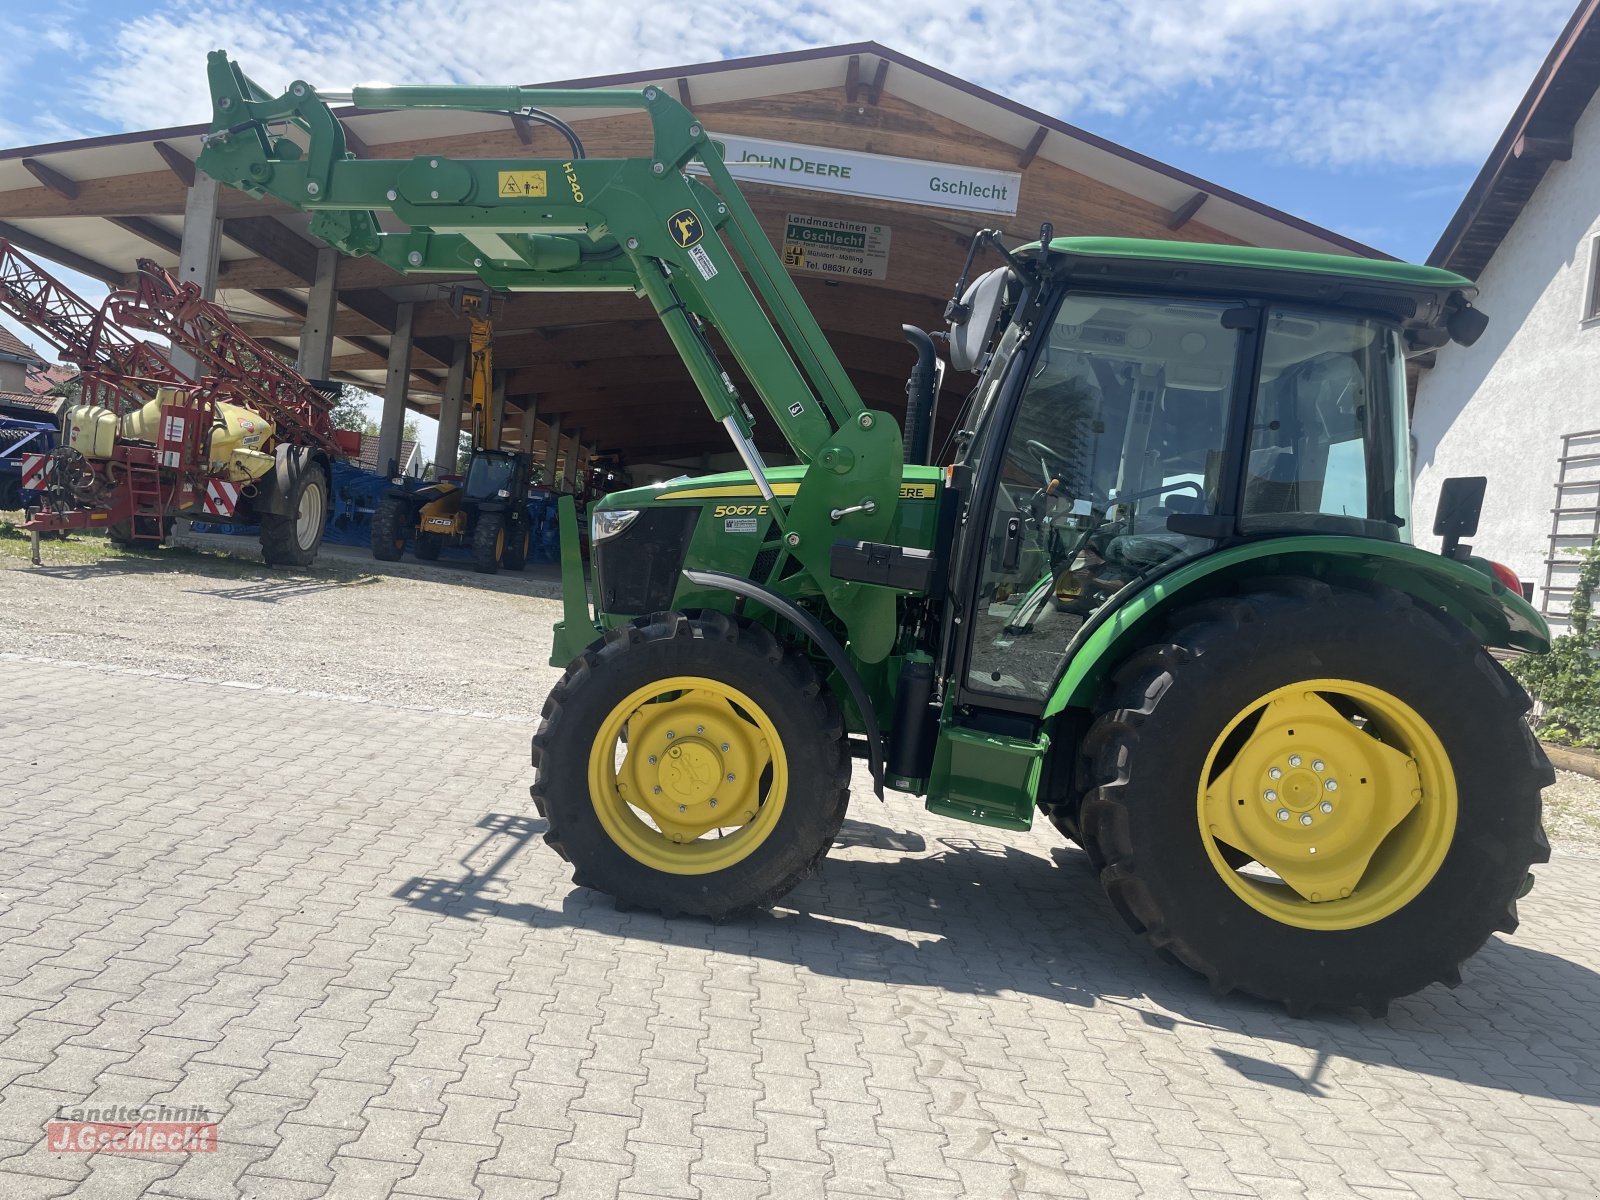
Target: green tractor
(1159, 584)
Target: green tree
(1566, 682)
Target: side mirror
(1466, 325)
(1460, 504)
(982, 303)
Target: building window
(1591, 294)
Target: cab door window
(1120, 426)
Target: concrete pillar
(530, 418)
(394, 388)
(316, 335)
(552, 456)
(197, 257)
(570, 470)
(449, 440)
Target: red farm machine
(249, 441)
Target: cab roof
(1417, 294)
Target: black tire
(746, 657)
(391, 526)
(120, 533)
(1168, 703)
(10, 493)
(489, 542)
(292, 539)
(518, 540)
(428, 546)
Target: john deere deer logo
(685, 228)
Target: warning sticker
(522, 185)
(702, 262)
(830, 246)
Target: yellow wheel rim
(1340, 796)
(699, 783)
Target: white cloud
(1312, 81)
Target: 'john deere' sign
(871, 176)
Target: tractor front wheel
(429, 545)
(691, 765)
(1317, 795)
(391, 525)
(489, 542)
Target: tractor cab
(1141, 404)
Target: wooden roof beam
(1557, 148)
(177, 162)
(1185, 212)
(1031, 150)
(60, 254)
(53, 179)
(875, 91)
(142, 227)
(852, 79)
(683, 93)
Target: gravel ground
(439, 636)
(434, 635)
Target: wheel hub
(1312, 795)
(693, 764)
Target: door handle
(1013, 544)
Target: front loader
(487, 510)
(1160, 586)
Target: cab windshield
(489, 474)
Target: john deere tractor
(1160, 586)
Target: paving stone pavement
(336, 924)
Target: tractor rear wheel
(691, 765)
(489, 542)
(1320, 796)
(391, 525)
(292, 538)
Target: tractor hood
(918, 483)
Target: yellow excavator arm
(486, 418)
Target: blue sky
(1370, 117)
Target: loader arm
(640, 225)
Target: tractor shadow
(973, 916)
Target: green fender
(1494, 614)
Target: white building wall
(1499, 408)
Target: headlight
(610, 522)
(504, 493)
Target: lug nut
(1275, 773)
(1294, 760)
(652, 760)
(1283, 813)
(699, 728)
(1269, 795)
(725, 747)
(1305, 819)
(730, 777)
(713, 802)
(656, 790)
(1326, 807)
(1332, 785)
(685, 808)
(670, 735)
(1316, 764)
